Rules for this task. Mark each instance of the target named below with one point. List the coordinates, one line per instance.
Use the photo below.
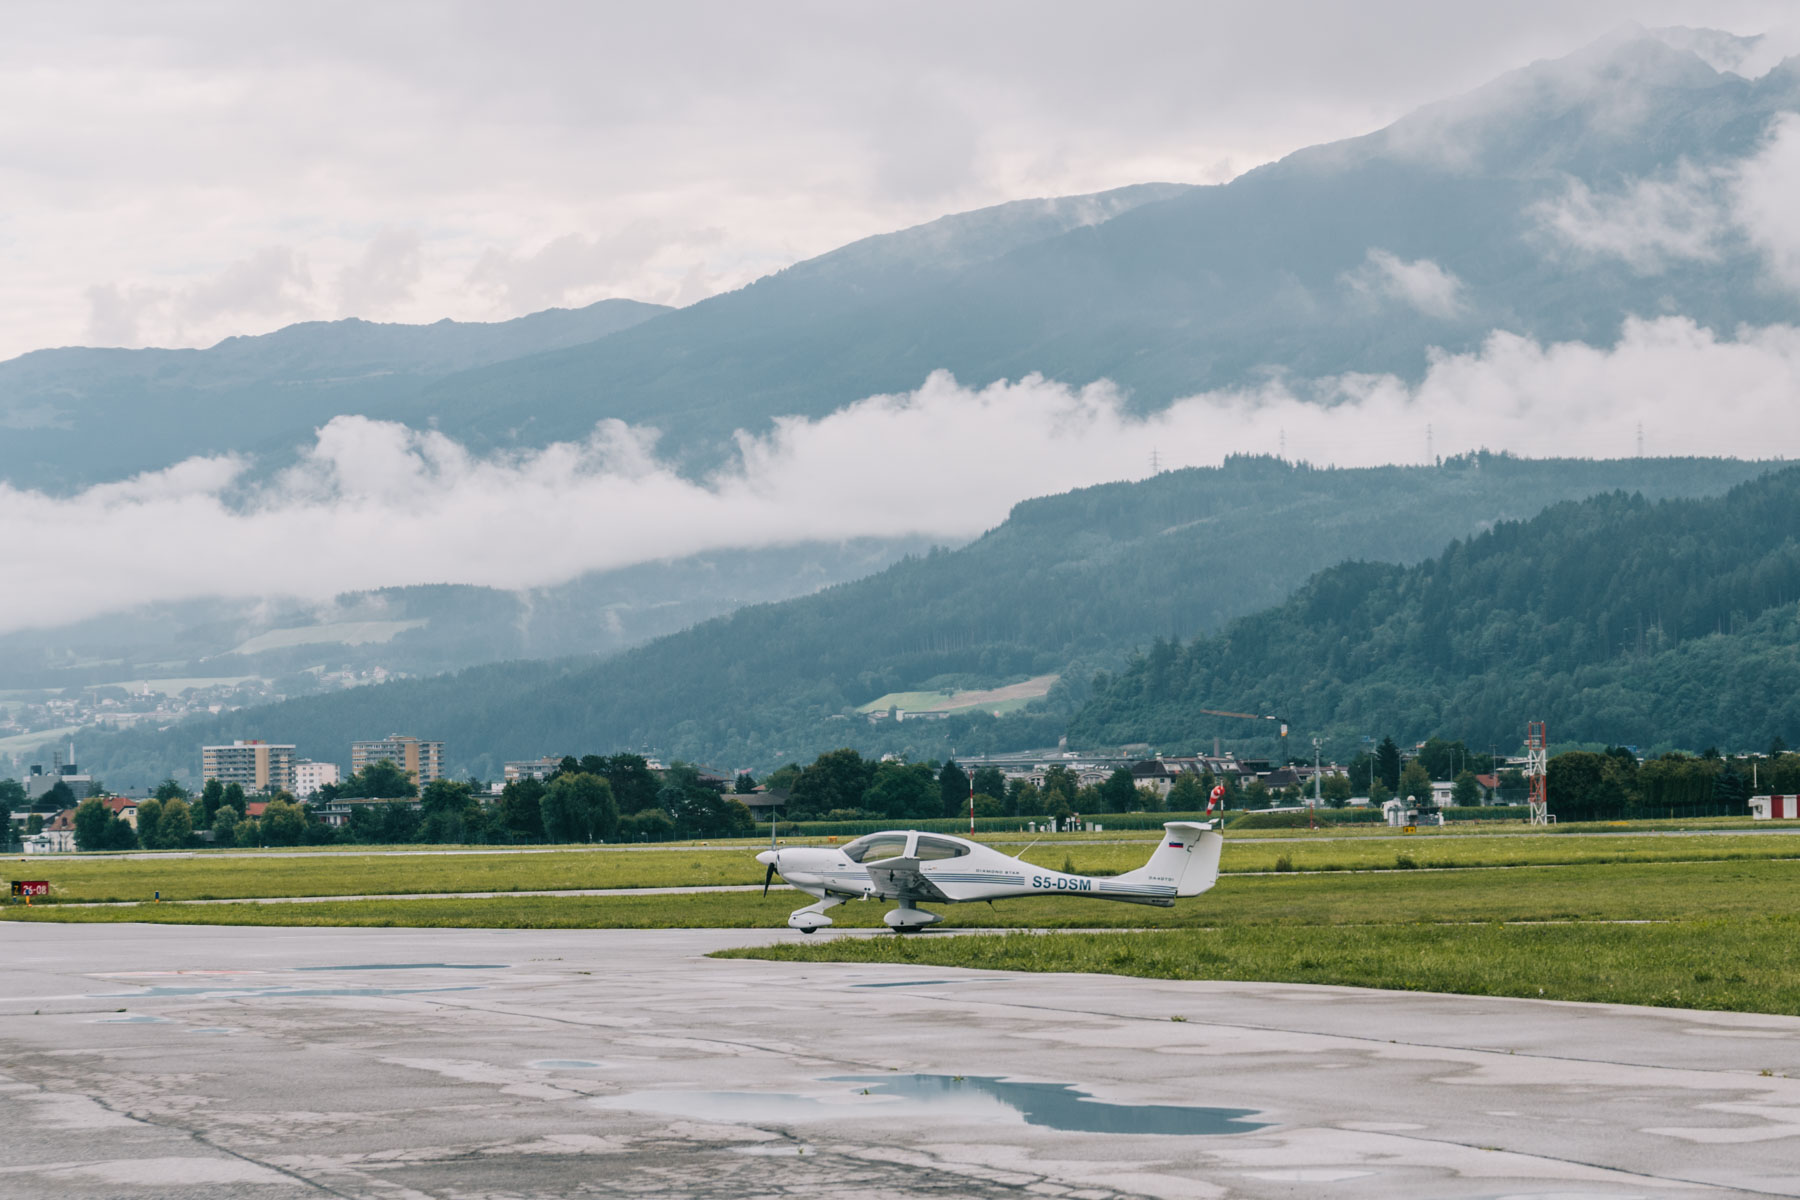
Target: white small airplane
(907, 866)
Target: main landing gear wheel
(908, 919)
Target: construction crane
(1219, 712)
(1282, 721)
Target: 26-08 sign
(31, 887)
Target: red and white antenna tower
(1537, 772)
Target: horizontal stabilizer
(1187, 860)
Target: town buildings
(39, 783)
(57, 836)
(310, 776)
(255, 766)
(423, 761)
(535, 768)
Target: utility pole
(1315, 803)
(1537, 771)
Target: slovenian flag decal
(1174, 845)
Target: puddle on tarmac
(134, 1019)
(1058, 1106)
(562, 1064)
(907, 983)
(281, 993)
(411, 967)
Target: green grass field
(224, 877)
(1682, 935)
(1743, 964)
(345, 872)
(1588, 892)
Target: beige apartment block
(255, 766)
(424, 761)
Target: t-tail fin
(1188, 858)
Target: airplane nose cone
(767, 858)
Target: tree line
(843, 785)
(589, 799)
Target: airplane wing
(902, 879)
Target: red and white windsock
(1218, 794)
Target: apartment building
(255, 766)
(310, 776)
(424, 761)
(534, 768)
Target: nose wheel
(812, 917)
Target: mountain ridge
(1217, 287)
(102, 402)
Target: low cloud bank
(1691, 213)
(374, 503)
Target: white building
(39, 783)
(310, 776)
(534, 768)
(51, 841)
(1775, 808)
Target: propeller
(768, 879)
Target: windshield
(935, 848)
(876, 847)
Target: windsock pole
(971, 804)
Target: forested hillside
(1069, 584)
(1618, 619)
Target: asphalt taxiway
(455, 1064)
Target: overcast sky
(175, 173)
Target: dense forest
(1070, 584)
(1617, 619)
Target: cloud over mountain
(374, 503)
(1692, 214)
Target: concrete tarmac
(459, 1064)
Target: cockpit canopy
(877, 846)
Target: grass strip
(1739, 964)
(201, 877)
(1582, 892)
(204, 877)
